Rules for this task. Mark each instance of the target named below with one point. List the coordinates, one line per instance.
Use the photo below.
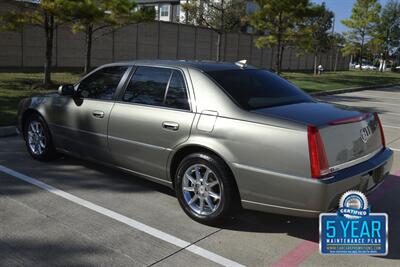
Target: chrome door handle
(98, 114)
(170, 125)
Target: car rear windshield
(255, 88)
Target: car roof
(202, 65)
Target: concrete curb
(8, 131)
(352, 89)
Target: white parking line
(123, 219)
(395, 149)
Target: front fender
(28, 106)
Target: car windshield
(255, 88)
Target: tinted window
(176, 95)
(254, 89)
(103, 83)
(149, 86)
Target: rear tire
(38, 139)
(205, 189)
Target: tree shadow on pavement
(57, 252)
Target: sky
(342, 10)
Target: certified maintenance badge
(353, 229)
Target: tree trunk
(221, 30)
(219, 45)
(336, 59)
(351, 61)
(49, 31)
(361, 52)
(315, 63)
(277, 59)
(89, 35)
(281, 59)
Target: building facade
(171, 10)
(166, 10)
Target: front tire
(205, 188)
(38, 139)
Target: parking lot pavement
(80, 214)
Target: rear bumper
(305, 197)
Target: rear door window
(176, 96)
(157, 87)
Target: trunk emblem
(365, 134)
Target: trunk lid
(349, 136)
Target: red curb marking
(297, 255)
(307, 248)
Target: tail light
(380, 128)
(318, 161)
(351, 119)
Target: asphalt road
(73, 213)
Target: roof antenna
(241, 63)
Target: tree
(349, 48)
(220, 16)
(44, 15)
(282, 22)
(337, 43)
(387, 37)
(92, 16)
(317, 38)
(362, 23)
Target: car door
(80, 123)
(152, 116)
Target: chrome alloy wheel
(36, 137)
(201, 189)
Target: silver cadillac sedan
(222, 135)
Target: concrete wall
(154, 40)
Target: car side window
(176, 96)
(148, 86)
(103, 83)
(157, 87)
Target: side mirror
(66, 90)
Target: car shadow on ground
(384, 199)
(387, 201)
(74, 173)
(260, 222)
